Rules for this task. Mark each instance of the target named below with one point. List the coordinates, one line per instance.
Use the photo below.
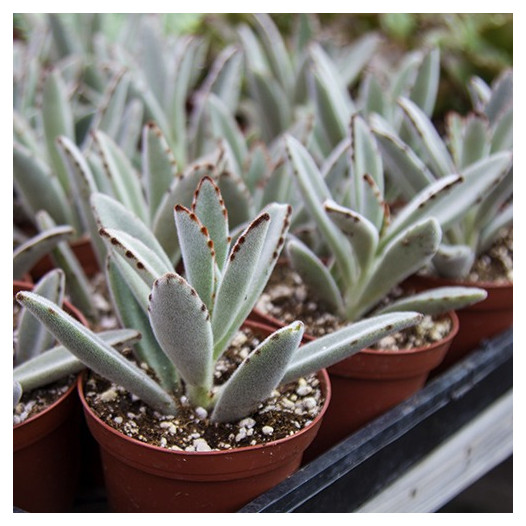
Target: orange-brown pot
(477, 322)
(145, 478)
(47, 448)
(371, 382)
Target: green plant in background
(38, 361)
(471, 44)
(187, 323)
(368, 256)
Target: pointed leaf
(237, 198)
(315, 192)
(362, 234)
(181, 192)
(503, 132)
(314, 274)
(57, 119)
(258, 375)
(83, 185)
(276, 51)
(158, 165)
(124, 178)
(109, 113)
(335, 347)
(501, 96)
(273, 244)
(224, 125)
(421, 205)
(434, 146)
(366, 159)
(112, 214)
(32, 338)
(197, 249)
(129, 134)
(140, 257)
(425, 88)
(408, 171)
(181, 324)
(58, 362)
(437, 301)
(231, 293)
(210, 208)
(406, 254)
(272, 106)
(78, 285)
(476, 141)
(38, 188)
(132, 314)
(26, 255)
(96, 354)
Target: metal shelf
(459, 416)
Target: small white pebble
(241, 435)
(287, 403)
(247, 422)
(201, 413)
(170, 427)
(201, 444)
(163, 442)
(303, 390)
(309, 403)
(108, 396)
(267, 430)
(118, 419)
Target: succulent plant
(38, 361)
(281, 76)
(464, 180)
(188, 322)
(366, 259)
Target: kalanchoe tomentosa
(37, 360)
(367, 258)
(188, 322)
(465, 181)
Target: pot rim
(323, 376)
(464, 283)
(307, 337)
(49, 408)
(452, 333)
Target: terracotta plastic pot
(83, 250)
(477, 322)
(46, 457)
(371, 382)
(47, 449)
(145, 478)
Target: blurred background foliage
(471, 43)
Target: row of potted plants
(199, 374)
